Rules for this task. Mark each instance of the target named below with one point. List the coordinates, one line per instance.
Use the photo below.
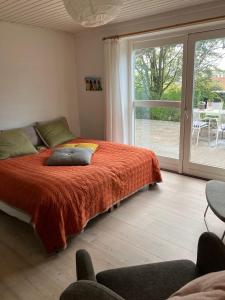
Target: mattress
(14, 212)
(61, 200)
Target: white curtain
(116, 90)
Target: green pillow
(54, 132)
(15, 143)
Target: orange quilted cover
(61, 200)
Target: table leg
(205, 217)
(209, 132)
(223, 236)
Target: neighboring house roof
(220, 79)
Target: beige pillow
(33, 136)
(208, 287)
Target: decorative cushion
(15, 143)
(199, 124)
(54, 132)
(208, 287)
(91, 146)
(33, 136)
(70, 157)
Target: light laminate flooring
(159, 224)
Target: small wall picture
(93, 84)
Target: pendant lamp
(93, 13)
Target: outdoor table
(215, 196)
(210, 112)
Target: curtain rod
(178, 25)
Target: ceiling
(52, 14)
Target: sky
(221, 64)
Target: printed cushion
(70, 157)
(91, 146)
(198, 124)
(223, 126)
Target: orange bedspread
(61, 200)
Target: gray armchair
(145, 282)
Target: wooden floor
(163, 223)
(163, 137)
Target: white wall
(89, 56)
(37, 76)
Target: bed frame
(22, 216)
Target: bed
(59, 201)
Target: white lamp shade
(93, 13)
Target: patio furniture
(214, 112)
(198, 124)
(215, 195)
(144, 282)
(220, 128)
(204, 118)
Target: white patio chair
(198, 124)
(214, 117)
(220, 128)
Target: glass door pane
(158, 128)
(158, 92)
(208, 108)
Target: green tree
(156, 69)
(158, 74)
(205, 88)
(173, 92)
(207, 55)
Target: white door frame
(165, 162)
(183, 165)
(190, 167)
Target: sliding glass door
(158, 92)
(178, 101)
(204, 153)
